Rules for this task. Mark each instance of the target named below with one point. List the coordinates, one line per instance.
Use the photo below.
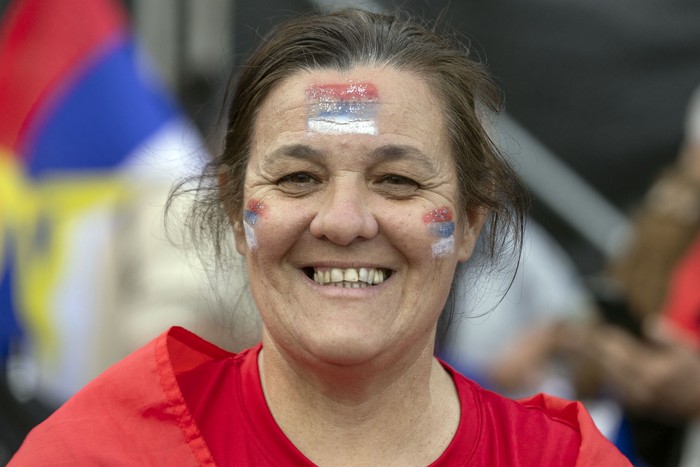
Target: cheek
(440, 227)
(420, 234)
(272, 228)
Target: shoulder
(541, 428)
(132, 411)
(594, 448)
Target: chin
(346, 350)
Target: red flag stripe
(58, 35)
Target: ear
(239, 237)
(234, 219)
(471, 228)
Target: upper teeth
(350, 277)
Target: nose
(344, 214)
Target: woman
(356, 175)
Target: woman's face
(351, 226)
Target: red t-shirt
(681, 315)
(227, 402)
(181, 401)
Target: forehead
(391, 101)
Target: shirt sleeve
(595, 449)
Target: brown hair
(343, 40)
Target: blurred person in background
(648, 354)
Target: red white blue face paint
(252, 214)
(342, 108)
(441, 225)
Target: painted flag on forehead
(83, 120)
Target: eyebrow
(293, 151)
(392, 152)
(386, 153)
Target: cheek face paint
(441, 225)
(253, 212)
(342, 108)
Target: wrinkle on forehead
(384, 153)
(371, 83)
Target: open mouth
(355, 278)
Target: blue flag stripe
(102, 118)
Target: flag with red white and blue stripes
(79, 107)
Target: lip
(345, 265)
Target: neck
(389, 410)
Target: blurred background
(596, 100)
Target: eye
(298, 183)
(297, 178)
(394, 179)
(397, 186)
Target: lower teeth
(349, 285)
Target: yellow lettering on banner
(38, 220)
(17, 211)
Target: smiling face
(351, 226)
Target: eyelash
(392, 185)
(298, 183)
(290, 178)
(393, 179)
